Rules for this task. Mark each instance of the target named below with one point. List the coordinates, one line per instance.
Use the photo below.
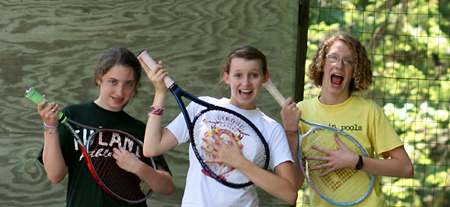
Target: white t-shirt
(202, 190)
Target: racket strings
(335, 185)
(121, 183)
(217, 124)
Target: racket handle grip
(149, 62)
(37, 98)
(274, 92)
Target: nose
(120, 89)
(340, 63)
(246, 80)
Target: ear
(98, 80)
(266, 77)
(226, 77)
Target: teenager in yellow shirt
(341, 67)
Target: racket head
(120, 184)
(217, 122)
(339, 186)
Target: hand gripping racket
(98, 151)
(342, 187)
(215, 122)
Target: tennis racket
(335, 187)
(98, 151)
(215, 122)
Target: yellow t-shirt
(365, 121)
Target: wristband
(359, 165)
(45, 127)
(50, 127)
(291, 132)
(156, 110)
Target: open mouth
(337, 79)
(245, 92)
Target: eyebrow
(341, 57)
(112, 78)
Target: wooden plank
(54, 45)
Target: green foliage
(409, 44)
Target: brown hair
(246, 52)
(118, 56)
(362, 76)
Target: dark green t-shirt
(82, 188)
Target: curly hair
(362, 75)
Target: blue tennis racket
(335, 187)
(215, 122)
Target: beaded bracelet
(156, 110)
(45, 127)
(291, 132)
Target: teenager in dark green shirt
(117, 77)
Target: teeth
(246, 91)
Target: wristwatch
(359, 165)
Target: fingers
(126, 160)
(338, 141)
(49, 112)
(322, 150)
(117, 150)
(118, 153)
(52, 110)
(329, 152)
(161, 73)
(289, 101)
(210, 146)
(121, 153)
(290, 114)
(290, 104)
(215, 145)
(156, 74)
(333, 159)
(153, 69)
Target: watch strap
(359, 165)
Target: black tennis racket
(218, 122)
(98, 150)
(335, 187)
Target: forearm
(153, 134)
(398, 166)
(298, 175)
(159, 181)
(385, 167)
(53, 159)
(290, 115)
(277, 185)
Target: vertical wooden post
(302, 39)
